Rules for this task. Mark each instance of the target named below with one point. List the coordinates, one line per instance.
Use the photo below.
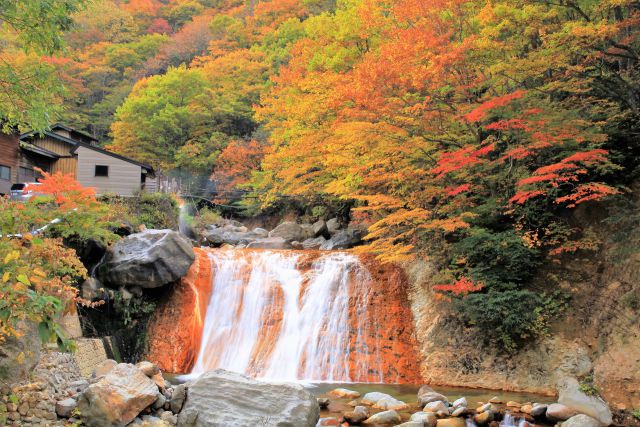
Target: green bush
(497, 259)
(153, 210)
(506, 318)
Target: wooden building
(64, 149)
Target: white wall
(123, 179)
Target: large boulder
(320, 229)
(117, 398)
(230, 235)
(222, 398)
(581, 420)
(270, 243)
(343, 239)
(427, 395)
(333, 225)
(428, 419)
(559, 412)
(569, 394)
(290, 231)
(314, 243)
(150, 259)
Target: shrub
(506, 318)
(497, 259)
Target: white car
(24, 191)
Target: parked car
(24, 191)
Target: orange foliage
(460, 287)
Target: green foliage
(507, 318)
(204, 218)
(496, 259)
(131, 308)
(153, 210)
(588, 387)
(636, 414)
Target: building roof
(76, 144)
(70, 129)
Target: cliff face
(598, 334)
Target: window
(5, 173)
(102, 170)
(26, 175)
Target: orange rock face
(175, 331)
(311, 315)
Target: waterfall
(510, 420)
(300, 315)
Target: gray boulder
(177, 398)
(222, 398)
(333, 225)
(290, 231)
(216, 236)
(270, 243)
(320, 229)
(581, 421)
(314, 243)
(64, 408)
(569, 394)
(384, 417)
(559, 412)
(427, 395)
(343, 239)
(117, 398)
(261, 232)
(428, 419)
(150, 259)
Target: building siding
(9, 156)
(123, 179)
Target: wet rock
(384, 417)
(495, 400)
(411, 424)
(149, 259)
(436, 406)
(526, 409)
(343, 239)
(221, 398)
(538, 410)
(451, 422)
(390, 403)
(64, 408)
(118, 397)
(289, 231)
(460, 402)
(270, 243)
(427, 395)
(485, 407)
(314, 243)
(581, 420)
(484, 418)
(514, 405)
(357, 416)
(177, 398)
(323, 402)
(428, 419)
(559, 412)
(461, 412)
(571, 396)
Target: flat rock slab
(222, 398)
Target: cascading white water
(269, 318)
